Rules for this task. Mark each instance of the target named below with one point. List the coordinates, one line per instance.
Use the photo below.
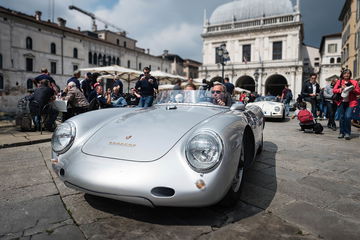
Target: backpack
(305, 116)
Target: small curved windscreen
(192, 97)
(267, 99)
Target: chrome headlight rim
(71, 140)
(277, 109)
(221, 151)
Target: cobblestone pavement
(303, 186)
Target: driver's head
(218, 90)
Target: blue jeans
(345, 118)
(287, 106)
(120, 102)
(146, 101)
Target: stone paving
(10, 135)
(303, 186)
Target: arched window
(124, 44)
(100, 59)
(28, 43)
(90, 58)
(338, 60)
(104, 60)
(332, 60)
(29, 84)
(118, 61)
(113, 60)
(117, 41)
(1, 61)
(75, 53)
(109, 60)
(95, 59)
(129, 64)
(1, 82)
(52, 48)
(140, 66)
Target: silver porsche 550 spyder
(184, 151)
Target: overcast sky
(174, 25)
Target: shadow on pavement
(258, 192)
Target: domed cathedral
(262, 41)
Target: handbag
(337, 96)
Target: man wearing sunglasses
(146, 86)
(220, 96)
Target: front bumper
(135, 182)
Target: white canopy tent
(166, 77)
(240, 90)
(116, 72)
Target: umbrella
(166, 76)
(166, 87)
(239, 90)
(126, 74)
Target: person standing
(38, 105)
(46, 75)
(310, 92)
(229, 86)
(348, 88)
(330, 104)
(286, 97)
(177, 85)
(146, 85)
(86, 85)
(75, 79)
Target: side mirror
(237, 106)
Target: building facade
(349, 17)
(330, 55)
(264, 42)
(28, 44)
(311, 60)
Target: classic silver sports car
(183, 151)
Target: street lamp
(224, 57)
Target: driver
(219, 94)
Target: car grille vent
(162, 192)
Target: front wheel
(233, 195)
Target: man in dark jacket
(147, 85)
(75, 79)
(310, 92)
(86, 85)
(40, 98)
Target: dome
(250, 9)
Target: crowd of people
(338, 100)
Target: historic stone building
(28, 43)
(350, 19)
(264, 41)
(330, 52)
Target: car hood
(146, 134)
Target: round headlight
(277, 109)
(63, 137)
(204, 151)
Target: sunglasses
(217, 92)
(146, 72)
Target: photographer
(310, 93)
(146, 86)
(348, 88)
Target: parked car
(270, 106)
(184, 151)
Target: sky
(174, 25)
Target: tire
(283, 116)
(233, 194)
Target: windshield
(190, 97)
(266, 99)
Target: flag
(245, 60)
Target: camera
(348, 84)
